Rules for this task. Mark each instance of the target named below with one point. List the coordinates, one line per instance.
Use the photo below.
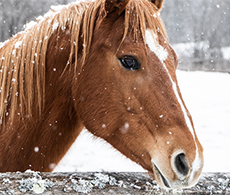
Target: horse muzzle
(179, 174)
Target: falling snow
(125, 128)
(103, 125)
(36, 149)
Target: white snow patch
(35, 184)
(57, 8)
(14, 52)
(49, 14)
(29, 25)
(55, 26)
(3, 44)
(154, 46)
(18, 44)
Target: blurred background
(198, 29)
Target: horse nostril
(181, 164)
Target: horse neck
(42, 140)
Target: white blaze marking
(154, 46)
(162, 54)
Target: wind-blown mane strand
(23, 58)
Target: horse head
(127, 93)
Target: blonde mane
(23, 57)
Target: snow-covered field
(207, 96)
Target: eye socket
(130, 63)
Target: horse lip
(162, 177)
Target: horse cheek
(89, 98)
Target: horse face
(130, 98)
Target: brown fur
(76, 81)
(29, 77)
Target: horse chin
(159, 177)
(166, 183)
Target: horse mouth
(162, 177)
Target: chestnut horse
(105, 65)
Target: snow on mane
(2, 44)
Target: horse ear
(116, 6)
(158, 3)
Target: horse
(106, 66)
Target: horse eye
(130, 63)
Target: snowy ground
(207, 96)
